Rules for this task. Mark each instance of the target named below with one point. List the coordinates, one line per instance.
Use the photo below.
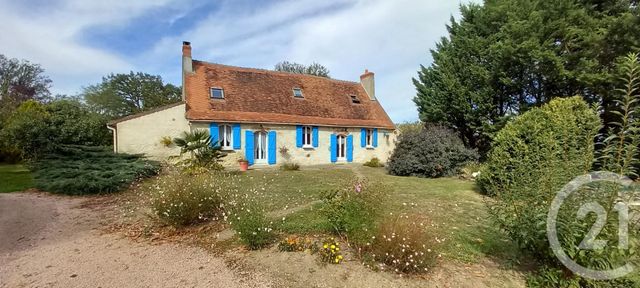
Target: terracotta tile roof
(150, 111)
(263, 96)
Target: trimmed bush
(542, 150)
(532, 158)
(432, 151)
(374, 163)
(78, 170)
(290, 166)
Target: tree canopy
(36, 128)
(506, 56)
(20, 81)
(124, 94)
(313, 69)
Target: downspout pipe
(114, 130)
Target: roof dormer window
(355, 99)
(297, 92)
(217, 93)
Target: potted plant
(244, 164)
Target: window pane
(297, 92)
(217, 93)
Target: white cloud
(49, 38)
(390, 38)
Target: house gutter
(114, 130)
(290, 124)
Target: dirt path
(51, 241)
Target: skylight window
(217, 93)
(355, 99)
(297, 92)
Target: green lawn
(14, 178)
(457, 212)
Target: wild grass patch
(402, 244)
(181, 199)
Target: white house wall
(144, 134)
(286, 137)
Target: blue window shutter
(248, 149)
(213, 132)
(299, 136)
(334, 148)
(315, 136)
(363, 137)
(375, 137)
(350, 148)
(272, 148)
(237, 140)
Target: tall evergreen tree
(506, 56)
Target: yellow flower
(337, 260)
(325, 246)
(340, 257)
(337, 248)
(333, 246)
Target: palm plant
(203, 152)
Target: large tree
(313, 69)
(506, 56)
(20, 81)
(124, 94)
(36, 128)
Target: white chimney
(368, 82)
(187, 64)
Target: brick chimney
(187, 64)
(368, 82)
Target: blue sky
(79, 41)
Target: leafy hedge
(543, 149)
(78, 170)
(432, 151)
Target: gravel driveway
(51, 241)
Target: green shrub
(78, 170)
(290, 166)
(533, 157)
(542, 150)
(353, 210)
(36, 129)
(402, 245)
(183, 199)
(553, 277)
(374, 162)
(433, 151)
(550, 277)
(252, 225)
